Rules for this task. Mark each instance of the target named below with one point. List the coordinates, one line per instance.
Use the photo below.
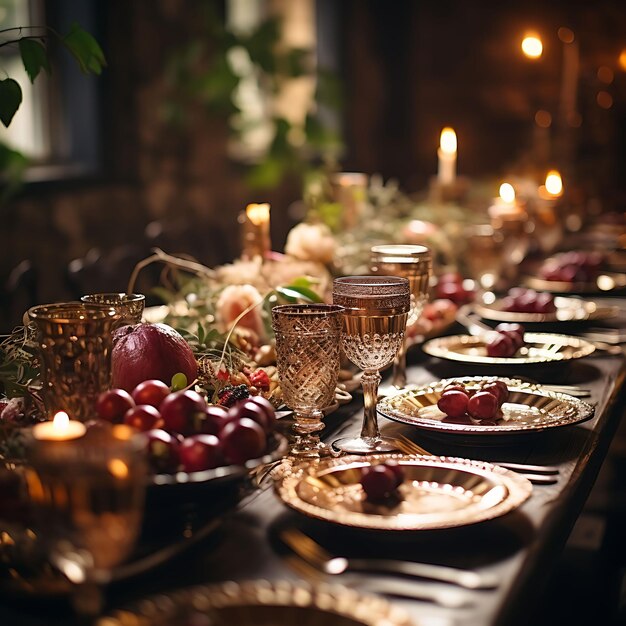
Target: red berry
(113, 404)
(483, 405)
(151, 392)
(143, 417)
(200, 452)
(500, 346)
(242, 440)
(162, 449)
(453, 403)
(397, 470)
(179, 408)
(378, 481)
(260, 380)
(266, 405)
(250, 410)
(456, 387)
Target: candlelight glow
(532, 47)
(258, 214)
(622, 59)
(61, 421)
(448, 141)
(507, 193)
(554, 183)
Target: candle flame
(61, 421)
(532, 47)
(507, 193)
(258, 213)
(554, 183)
(447, 142)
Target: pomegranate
(149, 351)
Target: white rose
(311, 242)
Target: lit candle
(256, 231)
(554, 184)
(350, 192)
(507, 194)
(61, 428)
(447, 157)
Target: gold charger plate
(606, 282)
(539, 348)
(528, 409)
(261, 603)
(567, 310)
(438, 492)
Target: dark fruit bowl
(220, 476)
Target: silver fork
(315, 555)
(537, 474)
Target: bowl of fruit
(189, 441)
(576, 272)
(478, 406)
(509, 344)
(528, 306)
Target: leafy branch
(35, 58)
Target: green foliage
(19, 367)
(12, 166)
(81, 45)
(10, 99)
(34, 58)
(211, 76)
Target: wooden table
(518, 548)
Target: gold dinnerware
(539, 348)
(437, 492)
(529, 408)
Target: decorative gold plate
(606, 282)
(567, 310)
(539, 348)
(438, 492)
(261, 603)
(529, 408)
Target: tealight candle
(256, 231)
(61, 428)
(447, 157)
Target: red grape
(501, 346)
(113, 404)
(456, 387)
(397, 470)
(200, 452)
(498, 389)
(163, 451)
(212, 420)
(179, 408)
(242, 440)
(142, 417)
(453, 403)
(378, 481)
(483, 405)
(266, 405)
(151, 392)
(247, 408)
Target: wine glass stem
(398, 379)
(370, 381)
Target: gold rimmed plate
(529, 408)
(539, 348)
(261, 603)
(606, 282)
(567, 310)
(437, 493)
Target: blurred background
(208, 105)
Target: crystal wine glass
(307, 355)
(484, 258)
(375, 311)
(412, 262)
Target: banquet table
(518, 548)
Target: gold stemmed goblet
(375, 311)
(307, 355)
(408, 261)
